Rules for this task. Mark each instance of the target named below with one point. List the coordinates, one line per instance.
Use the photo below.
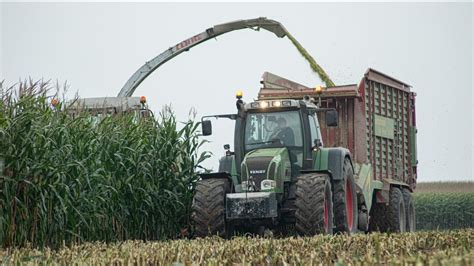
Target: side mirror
(227, 150)
(318, 143)
(206, 127)
(331, 118)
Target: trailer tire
(391, 217)
(396, 212)
(394, 219)
(345, 201)
(376, 216)
(409, 210)
(314, 213)
(208, 207)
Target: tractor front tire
(345, 201)
(314, 213)
(409, 210)
(208, 207)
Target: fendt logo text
(256, 172)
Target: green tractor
(279, 176)
(345, 162)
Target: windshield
(273, 129)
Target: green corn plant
(70, 180)
(444, 210)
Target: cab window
(314, 128)
(282, 128)
(275, 129)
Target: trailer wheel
(391, 217)
(208, 207)
(345, 201)
(376, 217)
(314, 213)
(409, 210)
(396, 214)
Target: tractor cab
(284, 123)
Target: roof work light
(318, 89)
(239, 95)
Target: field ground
(445, 187)
(421, 248)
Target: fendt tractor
(323, 160)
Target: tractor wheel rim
(349, 205)
(326, 213)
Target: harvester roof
(122, 103)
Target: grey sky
(96, 47)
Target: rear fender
(383, 195)
(317, 172)
(332, 161)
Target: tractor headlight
(245, 185)
(267, 184)
(248, 186)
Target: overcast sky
(97, 47)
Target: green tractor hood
(267, 163)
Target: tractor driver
(283, 133)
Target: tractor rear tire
(208, 208)
(409, 210)
(345, 201)
(314, 213)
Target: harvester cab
(280, 175)
(102, 107)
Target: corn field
(447, 210)
(70, 180)
(421, 248)
(445, 187)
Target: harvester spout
(256, 24)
